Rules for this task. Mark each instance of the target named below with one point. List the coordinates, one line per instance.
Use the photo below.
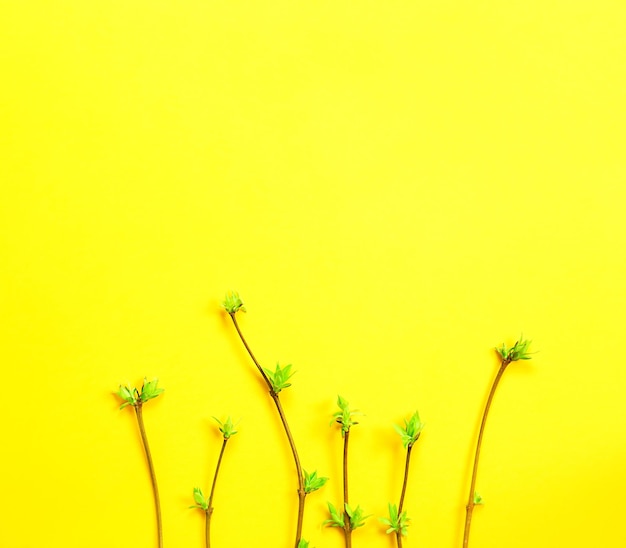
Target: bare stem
(470, 499)
(301, 492)
(406, 477)
(207, 526)
(245, 343)
(209, 510)
(347, 526)
(155, 489)
(403, 492)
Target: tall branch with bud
(135, 398)
(276, 381)
(519, 351)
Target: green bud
(336, 518)
(128, 395)
(232, 303)
(150, 390)
(345, 416)
(279, 377)
(398, 523)
(227, 428)
(312, 482)
(411, 431)
(519, 351)
(357, 519)
(201, 502)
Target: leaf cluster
(201, 502)
(313, 482)
(398, 522)
(279, 377)
(132, 396)
(337, 519)
(232, 303)
(411, 431)
(345, 416)
(519, 351)
(227, 428)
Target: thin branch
(283, 419)
(470, 499)
(209, 510)
(155, 489)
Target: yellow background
(393, 187)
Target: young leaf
(227, 428)
(150, 390)
(411, 431)
(200, 501)
(397, 523)
(127, 394)
(312, 482)
(345, 416)
(279, 377)
(232, 303)
(519, 351)
(336, 519)
(357, 519)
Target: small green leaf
(411, 431)
(150, 390)
(279, 377)
(201, 502)
(357, 519)
(397, 523)
(312, 482)
(345, 416)
(227, 428)
(336, 520)
(519, 351)
(232, 303)
(128, 395)
(478, 499)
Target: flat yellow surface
(393, 187)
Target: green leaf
(357, 519)
(232, 303)
(519, 351)
(150, 390)
(227, 428)
(279, 377)
(312, 482)
(397, 523)
(478, 499)
(411, 431)
(345, 416)
(336, 519)
(127, 394)
(201, 502)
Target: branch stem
(470, 499)
(406, 477)
(209, 510)
(155, 489)
(347, 526)
(301, 492)
(403, 492)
